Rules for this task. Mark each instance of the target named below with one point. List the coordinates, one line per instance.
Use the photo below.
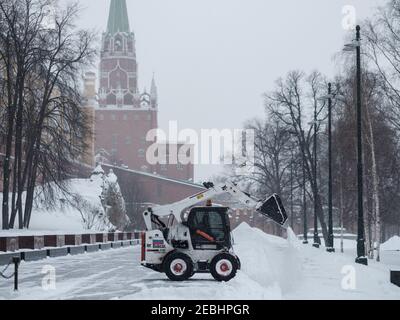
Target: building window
(113, 116)
(128, 140)
(101, 117)
(148, 117)
(136, 117)
(163, 167)
(141, 152)
(125, 117)
(179, 166)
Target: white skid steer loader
(198, 239)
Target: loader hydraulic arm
(271, 207)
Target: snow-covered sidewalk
(272, 268)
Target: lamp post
(330, 247)
(291, 190)
(317, 240)
(361, 258)
(305, 230)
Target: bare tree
(382, 35)
(292, 99)
(46, 125)
(380, 153)
(275, 162)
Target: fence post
(16, 261)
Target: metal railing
(16, 261)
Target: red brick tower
(124, 115)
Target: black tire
(192, 274)
(239, 264)
(223, 266)
(178, 266)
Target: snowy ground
(272, 268)
(80, 211)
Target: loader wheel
(223, 267)
(178, 266)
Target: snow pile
(293, 240)
(267, 259)
(270, 268)
(393, 244)
(78, 211)
(278, 268)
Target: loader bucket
(273, 208)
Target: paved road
(117, 273)
(100, 275)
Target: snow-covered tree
(113, 201)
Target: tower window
(118, 44)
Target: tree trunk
(376, 216)
(375, 184)
(17, 162)
(315, 190)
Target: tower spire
(153, 89)
(118, 20)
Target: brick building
(123, 114)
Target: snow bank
(278, 268)
(393, 244)
(74, 212)
(268, 260)
(78, 211)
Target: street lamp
(305, 230)
(317, 240)
(291, 190)
(361, 258)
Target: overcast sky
(213, 59)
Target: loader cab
(209, 228)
